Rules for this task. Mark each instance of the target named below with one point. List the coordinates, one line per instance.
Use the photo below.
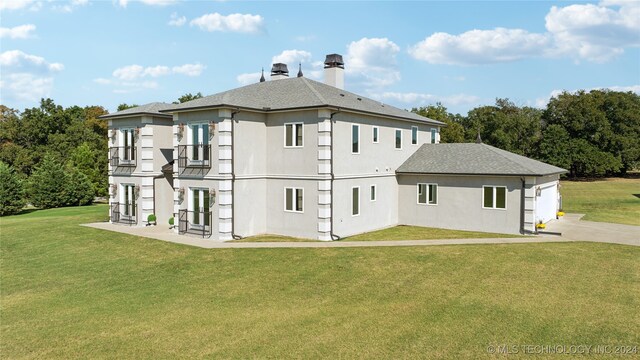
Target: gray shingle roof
(473, 159)
(295, 93)
(148, 109)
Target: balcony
(122, 156)
(123, 213)
(194, 157)
(194, 222)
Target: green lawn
(404, 232)
(610, 200)
(75, 292)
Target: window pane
(501, 197)
(414, 135)
(298, 134)
(433, 194)
(488, 196)
(355, 201)
(398, 139)
(298, 199)
(205, 134)
(433, 136)
(288, 135)
(422, 193)
(373, 192)
(375, 134)
(288, 199)
(355, 135)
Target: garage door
(547, 202)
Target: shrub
(78, 188)
(11, 191)
(47, 184)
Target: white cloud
(243, 23)
(248, 78)
(18, 32)
(189, 69)
(124, 3)
(292, 57)
(25, 77)
(102, 81)
(418, 99)
(372, 61)
(14, 60)
(480, 46)
(176, 20)
(585, 31)
(14, 4)
(70, 6)
(133, 72)
(25, 87)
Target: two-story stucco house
(297, 157)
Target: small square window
(428, 194)
(293, 199)
(494, 197)
(293, 135)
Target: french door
(201, 214)
(128, 200)
(128, 150)
(200, 142)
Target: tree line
(52, 156)
(591, 134)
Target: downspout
(522, 199)
(233, 180)
(334, 237)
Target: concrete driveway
(572, 228)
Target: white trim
(395, 134)
(358, 214)
(276, 176)
(294, 197)
(358, 127)
(294, 134)
(375, 138)
(494, 192)
(417, 135)
(374, 192)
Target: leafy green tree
(11, 191)
(78, 189)
(188, 97)
(47, 184)
(125, 106)
(453, 132)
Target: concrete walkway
(571, 227)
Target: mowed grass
(405, 232)
(614, 200)
(75, 292)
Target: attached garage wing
(546, 202)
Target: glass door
(200, 142)
(200, 207)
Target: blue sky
(462, 54)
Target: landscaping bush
(52, 185)
(11, 191)
(78, 188)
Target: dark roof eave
(476, 174)
(114, 116)
(218, 106)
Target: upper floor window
(376, 134)
(494, 197)
(428, 194)
(414, 135)
(293, 199)
(355, 139)
(293, 135)
(127, 141)
(434, 133)
(198, 139)
(398, 139)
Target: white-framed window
(494, 197)
(127, 144)
(375, 134)
(355, 139)
(199, 206)
(198, 141)
(428, 194)
(434, 134)
(372, 193)
(398, 139)
(128, 200)
(293, 135)
(414, 135)
(355, 201)
(293, 199)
